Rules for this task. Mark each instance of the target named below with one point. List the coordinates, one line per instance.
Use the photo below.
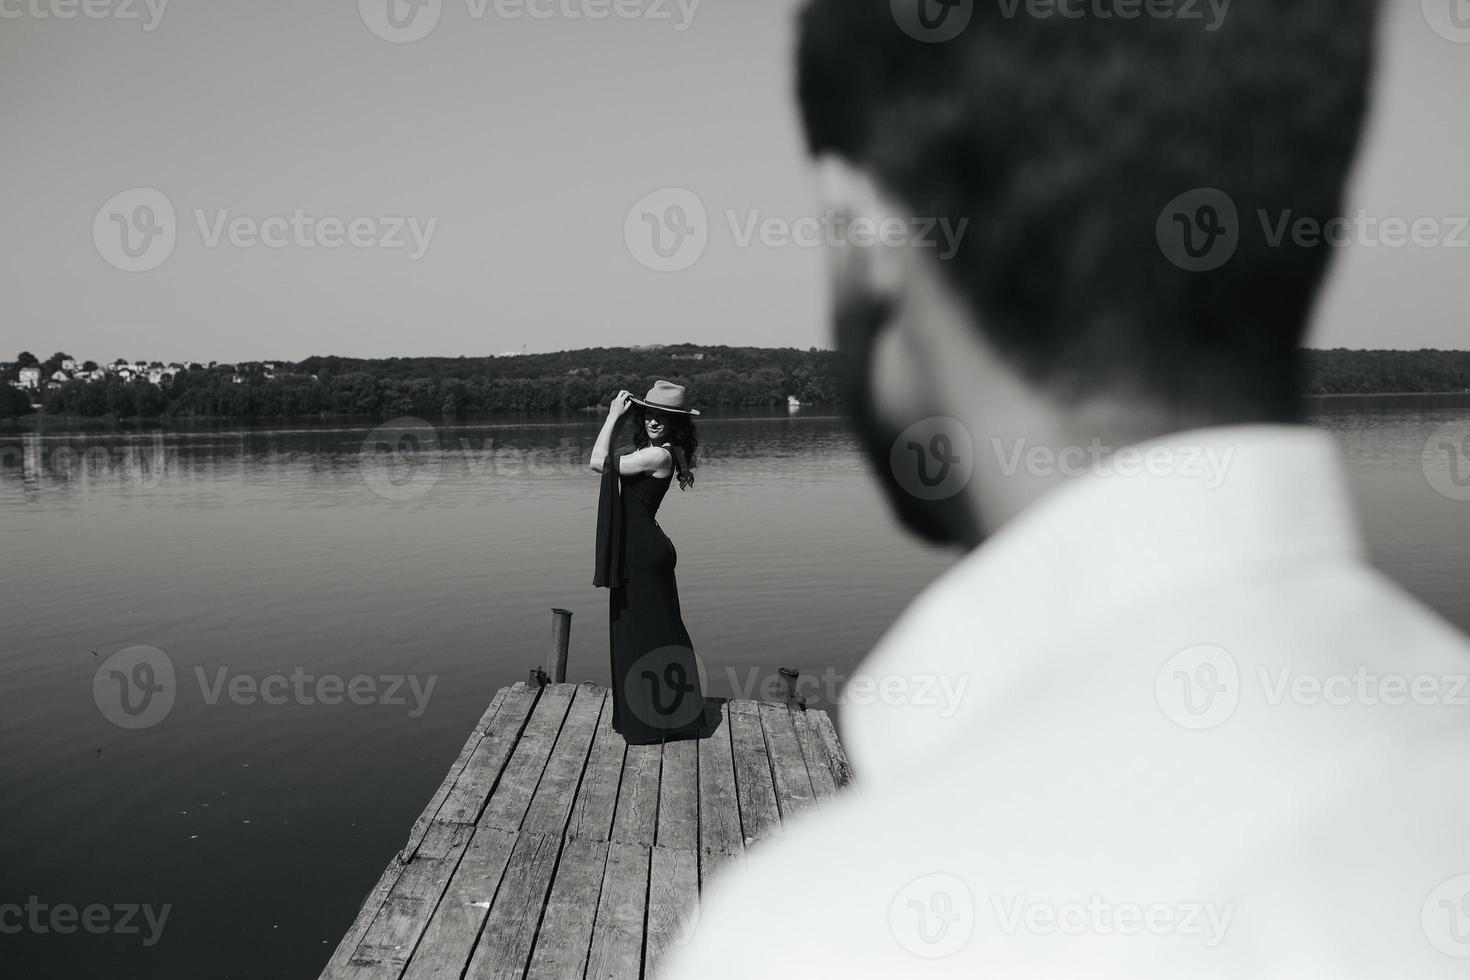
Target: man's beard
(858, 322)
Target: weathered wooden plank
(759, 815)
(566, 927)
(617, 935)
(337, 966)
(477, 734)
(467, 798)
(719, 807)
(449, 940)
(597, 797)
(504, 948)
(636, 820)
(841, 773)
(390, 940)
(554, 796)
(814, 752)
(673, 902)
(678, 797)
(788, 769)
(512, 795)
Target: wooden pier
(554, 849)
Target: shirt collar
(1180, 511)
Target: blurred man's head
(1056, 138)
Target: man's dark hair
(1062, 141)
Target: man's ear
(855, 209)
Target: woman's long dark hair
(678, 431)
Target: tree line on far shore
(717, 377)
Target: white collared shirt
(1164, 724)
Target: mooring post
(561, 637)
(789, 676)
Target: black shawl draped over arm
(609, 571)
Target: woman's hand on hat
(622, 404)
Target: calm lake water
(263, 562)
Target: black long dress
(657, 695)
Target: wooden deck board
(759, 815)
(617, 936)
(636, 819)
(673, 896)
(504, 948)
(788, 766)
(566, 927)
(678, 797)
(466, 798)
(449, 940)
(719, 809)
(552, 849)
(512, 796)
(552, 803)
(597, 797)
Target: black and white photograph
(732, 489)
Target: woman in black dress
(657, 695)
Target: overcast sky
(493, 166)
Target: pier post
(561, 637)
(789, 676)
